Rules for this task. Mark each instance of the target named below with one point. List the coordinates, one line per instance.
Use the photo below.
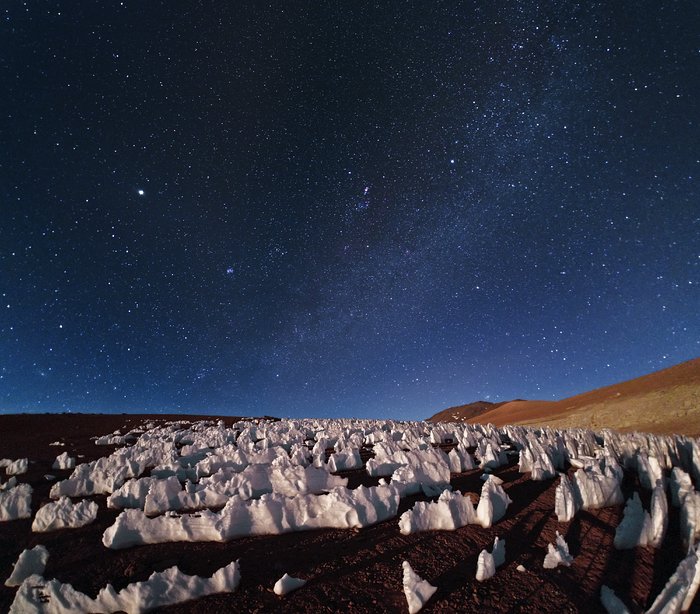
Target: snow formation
(635, 528)
(566, 499)
(611, 602)
(417, 590)
(557, 554)
(63, 461)
(29, 562)
(207, 482)
(489, 561)
(16, 502)
(63, 514)
(270, 515)
(17, 467)
(39, 596)
(680, 590)
(493, 502)
(287, 584)
(451, 511)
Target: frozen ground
(343, 505)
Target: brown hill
(460, 413)
(666, 401)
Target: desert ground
(346, 570)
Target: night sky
(344, 208)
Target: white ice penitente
(680, 590)
(287, 584)
(611, 602)
(565, 500)
(597, 488)
(659, 516)
(17, 467)
(63, 461)
(451, 511)
(557, 554)
(493, 502)
(28, 563)
(489, 561)
(63, 514)
(635, 528)
(417, 590)
(680, 485)
(16, 502)
(272, 514)
(690, 519)
(40, 596)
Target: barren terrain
(354, 571)
(666, 401)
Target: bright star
(141, 192)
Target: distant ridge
(666, 401)
(460, 413)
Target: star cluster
(343, 209)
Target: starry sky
(344, 208)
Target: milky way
(344, 208)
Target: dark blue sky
(357, 208)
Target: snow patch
(63, 514)
(557, 554)
(63, 461)
(272, 514)
(17, 467)
(40, 596)
(451, 511)
(489, 561)
(16, 502)
(417, 590)
(611, 602)
(29, 562)
(287, 584)
(493, 502)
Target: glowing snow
(460, 460)
(611, 602)
(557, 554)
(342, 461)
(29, 562)
(63, 461)
(565, 500)
(493, 502)
(680, 590)
(649, 470)
(102, 476)
(690, 519)
(417, 590)
(272, 477)
(63, 514)
(17, 467)
(489, 561)
(287, 584)
(680, 485)
(426, 470)
(451, 511)
(635, 528)
(597, 488)
(168, 587)
(16, 502)
(659, 516)
(270, 515)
